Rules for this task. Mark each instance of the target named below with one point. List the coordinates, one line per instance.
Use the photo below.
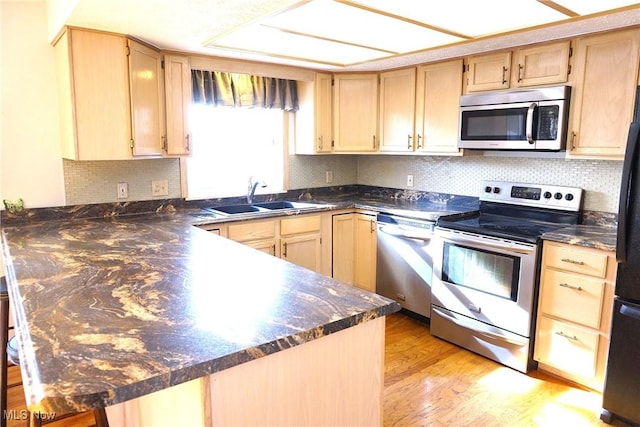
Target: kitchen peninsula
(166, 324)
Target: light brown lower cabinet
(354, 249)
(574, 312)
(297, 239)
(345, 369)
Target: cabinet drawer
(583, 262)
(245, 231)
(300, 224)
(569, 348)
(572, 297)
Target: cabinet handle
(569, 337)
(409, 145)
(419, 141)
(188, 140)
(504, 75)
(372, 228)
(520, 68)
(566, 285)
(374, 142)
(320, 143)
(284, 249)
(573, 140)
(572, 261)
(274, 250)
(165, 147)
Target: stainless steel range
(486, 267)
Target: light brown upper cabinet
(178, 94)
(146, 89)
(355, 112)
(489, 72)
(604, 84)
(314, 118)
(397, 109)
(438, 91)
(532, 66)
(110, 96)
(541, 65)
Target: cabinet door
(365, 252)
(604, 86)
(94, 95)
(355, 112)
(147, 107)
(323, 112)
(314, 118)
(266, 246)
(439, 87)
(344, 247)
(177, 77)
(397, 109)
(303, 250)
(541, 65)
(489, 72)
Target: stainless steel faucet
(251, 189)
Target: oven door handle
(399, 232)
(492, 245)
(486, 334)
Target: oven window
(485, 271)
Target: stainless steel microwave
(532, 119)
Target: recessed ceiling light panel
(274, 42)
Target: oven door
(484, 278)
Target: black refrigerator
(621, 396)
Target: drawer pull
(566, 285)
(572, 261)
(569, 337)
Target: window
(231, 145)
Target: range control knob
(487, 189)
(568, 197)
(496, 190)
(547, 194)
(557, 196)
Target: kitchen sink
(284, 204)
(261, 207)
(236, 209)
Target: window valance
(243, 90)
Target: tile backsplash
(96, 182)
(463, 175)
(88, 182)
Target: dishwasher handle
(405, 233)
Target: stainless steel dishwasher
(404, 265)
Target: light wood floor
(429, 382)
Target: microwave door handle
(529, 125)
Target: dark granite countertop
(426, 208)
(115, 308)
(592, 236)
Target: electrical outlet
(160, 188)
(409, 180)
(123, 190)
(328, 178)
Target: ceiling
(349, 35)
